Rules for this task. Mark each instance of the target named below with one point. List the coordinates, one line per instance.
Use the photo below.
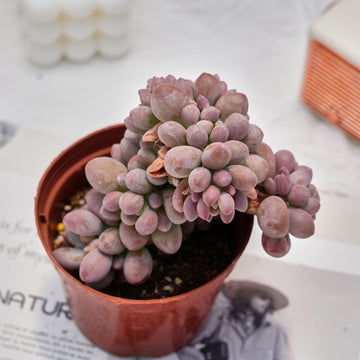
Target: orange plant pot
(122, 326)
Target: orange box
(331, 85)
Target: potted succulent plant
(187, 158)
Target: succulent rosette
(189, 154)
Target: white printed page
(35, 321)
(319, 278)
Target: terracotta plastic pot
(122, 326)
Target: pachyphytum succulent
(189, 152)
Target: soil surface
(202, 256)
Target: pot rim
(115, 299)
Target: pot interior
(65, 175)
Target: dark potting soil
(202, 256)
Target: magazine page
(313, 316)
(35, 322)
(303, 306)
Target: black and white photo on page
(242, 325)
